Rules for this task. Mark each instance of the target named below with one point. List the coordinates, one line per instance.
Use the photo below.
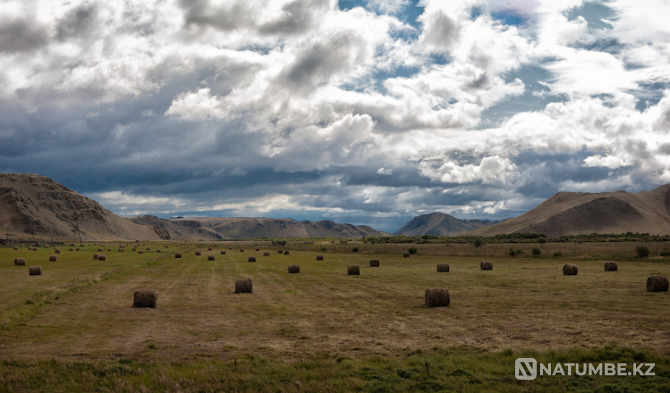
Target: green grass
(322, 329)
(433, 370)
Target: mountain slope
(570, 213)
(36, 205)
(216, 228)
(439, 224)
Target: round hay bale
(159, 250)
(57, 250)
(19, 261)
(570, 270)
(71, 244)
(437, 297)
(72, 249)
(286, 253)
(280, 251)
(35, 270)
(109, 249)
(353, 270)
(211, 258)
(77, 249)
(230, 248)
(95, 256)
(405, 255)
(145, 298)
(319, 257)
(486, 265)
(266, 254)
(102, 257)
(657, 284)
(374, 262)
(16, 248)
(443, 268)
(198, 253)
(251, 259)
(100, 249)
(258, 249)
(209, 249)
(177, 255)
(121, 250)
(148, 249)
(140, 252)
(294, 269)
(53, 258)
(611, 266)
(244, 286)
(241, 249)
(223, 253)
(166, 246)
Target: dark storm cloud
(21, 35)
(78, 23)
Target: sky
(360, 111)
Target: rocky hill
(439, 224)
(34, 205)
(219, 228)
(572, 213)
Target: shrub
(511, 252)
(323, 249)
(519, 252)
(642, 251)
(536, 251)
(412, 250)
(355, 249)
(558, 254)
(665, 253)
(478, 242)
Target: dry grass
(145, 298)
(437, 297)
(522, 304)
(657, 284)
(443, 268)
(570, 270)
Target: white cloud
(301, 87)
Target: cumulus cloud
(293, 106)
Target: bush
(412, 250)
(323, 249)
(642, 251)
(355, 249)
(519, 252)
(665, 253)
(558, 254)
(478, 242)
(511, 252)
(536, 251)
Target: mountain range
(34, 205)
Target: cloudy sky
(358, 111)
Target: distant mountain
(34, 205)
(572, 213)
(218, 228)
(439, 224)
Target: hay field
(82, 310)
